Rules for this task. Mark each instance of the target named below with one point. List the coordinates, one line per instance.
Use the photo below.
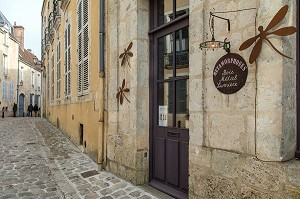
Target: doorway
(21, 105)
(169, 91)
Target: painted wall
(68, 112)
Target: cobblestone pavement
(38, 161)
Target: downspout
(102, 113)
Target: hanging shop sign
(230, 73)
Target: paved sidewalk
(38, 161)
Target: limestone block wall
(239, 142)
(128, 124)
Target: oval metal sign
(230, 73)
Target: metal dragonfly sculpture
(121, 94)
(125, 56)
(264, 33)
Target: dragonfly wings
(248, 43)
(285, 31)
(278, 17)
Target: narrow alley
(38, 161)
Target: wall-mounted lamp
(213, 44)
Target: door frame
(298, 83)
(154, 33)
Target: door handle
(174, 134)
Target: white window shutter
(83, 47)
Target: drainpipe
(102, 114)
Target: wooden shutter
(66, 63)
(4, 90)
(69, 59)
(11, 92)
(58, 71)
(79, 48)
(52, 78)
(83, 47)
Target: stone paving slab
(38, 161)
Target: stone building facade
(8, 64)
(29, 75)
(173, 128)
(70, 59)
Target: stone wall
(128, 124)
(238, 142)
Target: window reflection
(182, 100)
(165, 48)
(166, 10)
(182, 7)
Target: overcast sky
(26, 13)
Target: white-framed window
(32, 79)
(67, 60)
(52, 77)
(22, 76)
(4, 90)
(11, 91)
(5, 65)
(7, 91)
(83, 46)
(58, 71)
(39, 82)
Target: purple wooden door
(170, 110)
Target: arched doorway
(21, 105)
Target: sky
(26, 13)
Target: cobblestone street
(38, 161)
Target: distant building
(29, 75)
(8, 64)
(20, 69)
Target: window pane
(182, 104)
(165, 57)
(165, 118)
(182, 7)
(165, 11)
(182, 52)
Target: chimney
(19, 34)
